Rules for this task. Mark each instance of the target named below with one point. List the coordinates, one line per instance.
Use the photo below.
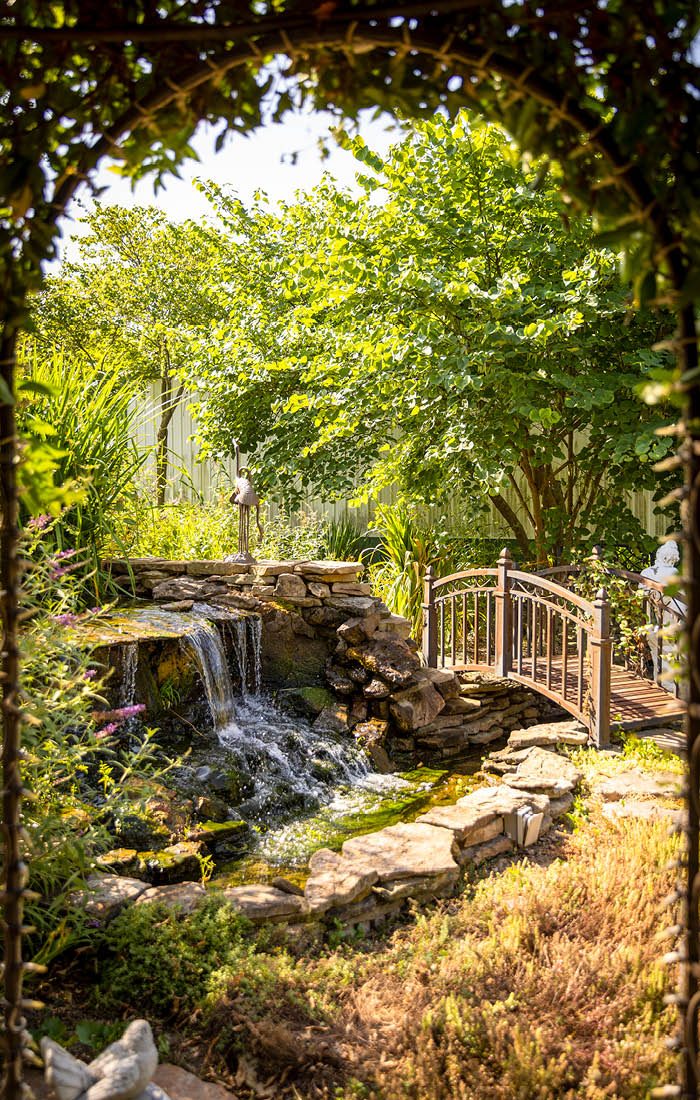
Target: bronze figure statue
(245, 498)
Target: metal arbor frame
(394, 30)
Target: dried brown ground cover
(541, 981)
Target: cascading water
(204, 642)
(129, 659)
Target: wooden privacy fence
(529, 628)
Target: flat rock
(469, 824)
(639, 784)
(273, 568)
(178, 589)
(352, 605)
(107, 894)
(359, 630)
(341, 569)
(336, 881)
(185, 896)
(213, 568)
(351, 588)
(416, 706)
(446, 682)
(546, 772)
(259, 902)
(396, 624)
(179, 605)
(504, 799)
(404, 851)
(178, 1084)
(549, 733)
(635, 808)
(320, 590)
(488, 850)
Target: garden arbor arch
(610, 92)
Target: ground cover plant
(540, 980)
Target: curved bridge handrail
(464, 575)
(636, 580)
(555, 589)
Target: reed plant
(85, 422)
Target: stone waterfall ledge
(322, 625)
(375, 875)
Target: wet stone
(389, 658)
(376, 689)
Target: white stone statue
(662, 571)
(122, 1072)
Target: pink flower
(89, 674)
(107, 730)
(38, 523)
(66, 619)
(119, 713)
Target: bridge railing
(525, 627)
(661, 616)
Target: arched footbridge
(582, 653)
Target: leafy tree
(128, 305)
(452, 330)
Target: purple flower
(59, 570)
(119, 713)
(89, 674)
(66, 619)
(38, 523)
(107, 730)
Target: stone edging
(375, 874)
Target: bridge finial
(597, 553)
(601, 595)
(505, 558)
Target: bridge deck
(634, 702)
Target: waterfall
(255, 628)
(245, 639)
(205, 644)
(129, 659)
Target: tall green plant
(89, 422)
(407, 547)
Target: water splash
(283, 762)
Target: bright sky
(263, 160)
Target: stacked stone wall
(323, 625)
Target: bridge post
(430, 641)
(504, 616)
(601, 662)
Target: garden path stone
(259, 902)
(546, 772)
(178, 1084)
(336, 881)
(638, 784)
(404, 851)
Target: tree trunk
(15, 869)
(168, 404)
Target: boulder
(446, 682)
(305, 701)
(185, 896)
(335, 880)
(359, 630)
(389, 658)
(376, 689)
(416, 706)
(404, 851)
(290, 586)
(333, 719)
(337, 679)
(259, 902)
(469, 824)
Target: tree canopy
(452, 330)
(128, 304)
